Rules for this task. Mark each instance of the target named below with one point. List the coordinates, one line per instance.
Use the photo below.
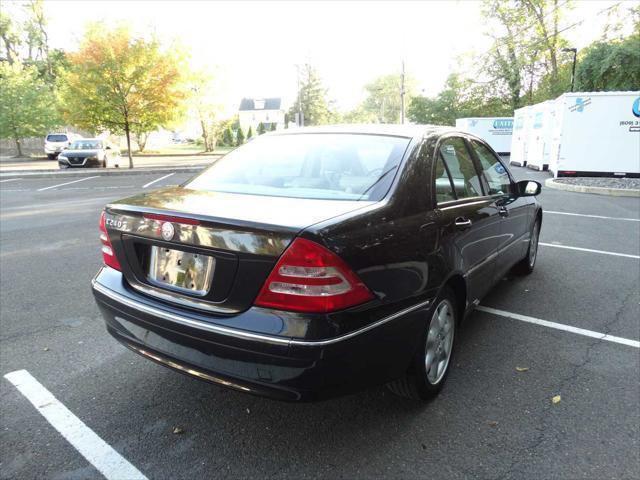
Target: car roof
(397, 130)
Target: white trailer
(596, 134)
(496, 131)
(541, 134)
(522, 121)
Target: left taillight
(108, 255)
(309, 278)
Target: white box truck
(496, 131)
(540, 134)
(522, 121)
(597, 134)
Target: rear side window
(442, 183)
(494, 172)
(57, 138)
(460, 165)
(321, 166)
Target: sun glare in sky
(254, 46)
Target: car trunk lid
(208, 250)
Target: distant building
(254, 111)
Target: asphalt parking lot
(494, 419)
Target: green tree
(458, 99)
(120, 83)
(383, 98)
(312, 96)
(10, 38)
(240, 137)
(227, 137)
(249, 133)
(274, 126)
(611, 65)
(261, 128)
(27, 108)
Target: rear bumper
(279, 367)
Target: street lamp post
(573, 67)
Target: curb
(614, 192)
(101, 171)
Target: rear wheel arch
(458, 285)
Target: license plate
(182, 271)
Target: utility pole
(402, 94)
(300, 119)
(573, 68)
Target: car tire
(424, 379)
(63, 166)
(528, 263)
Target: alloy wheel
(439, 342)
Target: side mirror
(528, 188)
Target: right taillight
(309, 278)
(108, 255)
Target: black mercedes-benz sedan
(316, 262)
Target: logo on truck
(503, 123)
(635, 108)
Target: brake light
(108, 256)
(310, 278)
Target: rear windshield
(316, 166)
(86, 145)
(57, 138)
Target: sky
(254, 46)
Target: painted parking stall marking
(602, 217)
(97, 452)
(561, 326)
(156, 180)
(67, 183)
(9, 180)
(590, 250)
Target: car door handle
(462, 223)
(503, 211)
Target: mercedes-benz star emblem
(168, 231)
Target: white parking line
(592, 216)
(560, 326)
(67, 183)
(99, 453)
(10, 180)
(157, 180)
(603, 252)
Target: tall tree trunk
(127, 132)
(19, 147)
(205, 135)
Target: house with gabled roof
(254, 111)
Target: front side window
(318, 166)
(460, 165)
(494, 172)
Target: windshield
(316, 166)
(86, 145)
(57, 138)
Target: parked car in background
(54, 143)
(316, 262)
(89, 152)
